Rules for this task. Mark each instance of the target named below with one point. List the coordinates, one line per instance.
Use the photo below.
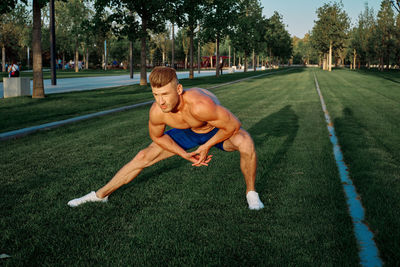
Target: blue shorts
(188, 139)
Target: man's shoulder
(155, 114)
(199, 102)
(202, 98)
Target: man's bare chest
(184, 121)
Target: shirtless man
(197, 119)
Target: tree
(385, 33)
(218, 23)
(278, 39)
(397, 39)
(129, 30)
(7, 36)
(330, 30)
(151, 18)
(185, 42)
(14, 26)
(69, 26)
(361, 35)
(188, 15)
(303, 52)
(6, 6)
(161, 41)
(249, 30)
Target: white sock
(91, 197)
(254, 201)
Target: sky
(299, 15)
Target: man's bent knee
(241, 142)
(246, 145)
(147, 155)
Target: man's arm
(156, 132)
(219, 117)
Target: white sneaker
(254, 201)
(91, 197)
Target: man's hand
(201, 154)
(195, 159)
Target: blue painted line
(51, 125)
(369, 254)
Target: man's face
(167, 97)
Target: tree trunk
(87, 58)
(3, 58)
(217, 65)
(191, 48)
(38, 88)
(330, 57)
(258, 61)
(63, 61)
(29, 63)
(354, 58)
(76, 56)
(52, 45)
(131, 59)
(198, 57)
(254, 61)
(143, 73)
(245, 62)
(211, 61)
(173, 47)
(229, 57)
(186, 61)
(105, 56)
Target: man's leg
(243, 143)
(145, 158)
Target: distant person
(13, 70)
(197, 120)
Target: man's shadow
(283, 123)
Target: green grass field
(365, 108)
(176, 214)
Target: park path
(91, 83)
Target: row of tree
(372, 41)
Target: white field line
(369, 254)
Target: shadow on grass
(390, 75)
(375, 172)
(283, 123)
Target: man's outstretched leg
(145, 158)
(243, 143)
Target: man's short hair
(161, 76)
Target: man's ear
(179, 89)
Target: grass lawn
(173, 213)
(21, 112)
(365, 108)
